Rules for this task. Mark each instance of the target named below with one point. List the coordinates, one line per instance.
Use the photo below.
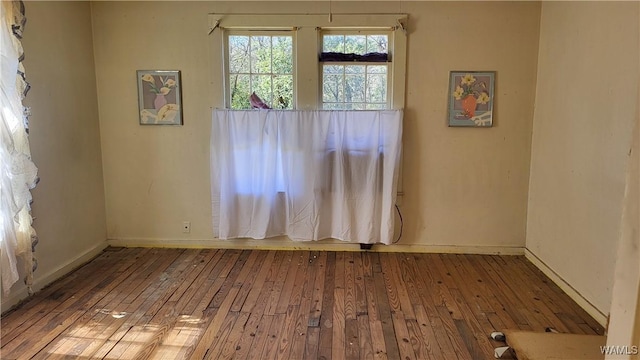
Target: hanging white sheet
(309, 175)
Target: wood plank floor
(250, 304)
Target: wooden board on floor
(251, 304)
(529, 345)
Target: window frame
(362, 31)
(255, 32)
(307, 30)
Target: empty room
(320, 180)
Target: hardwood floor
(249, 304)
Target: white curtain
(309, 175)
(17, 173)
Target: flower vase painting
(471, 98)
(159, 97)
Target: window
(278, 58)
(250, 44)
(355, 71)
(260, 64)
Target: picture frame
(471, 98)
(159, 97)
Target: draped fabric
(309, 175)
(18, 174)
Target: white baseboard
(574, 294)
(282, 243)
(42, 280)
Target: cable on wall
(401, 224)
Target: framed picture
(159, 97)
(471, 98)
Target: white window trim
(307, 78)
(227, 90)
(364, 31)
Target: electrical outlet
(186, 227)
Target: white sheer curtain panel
(18, 174)
(309, 175)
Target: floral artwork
(159, 97)
(471, 98)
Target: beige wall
(624, 316)
(464, 187)
(587, 91)
(467, 186)
(65, 141)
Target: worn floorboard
(256, 304)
